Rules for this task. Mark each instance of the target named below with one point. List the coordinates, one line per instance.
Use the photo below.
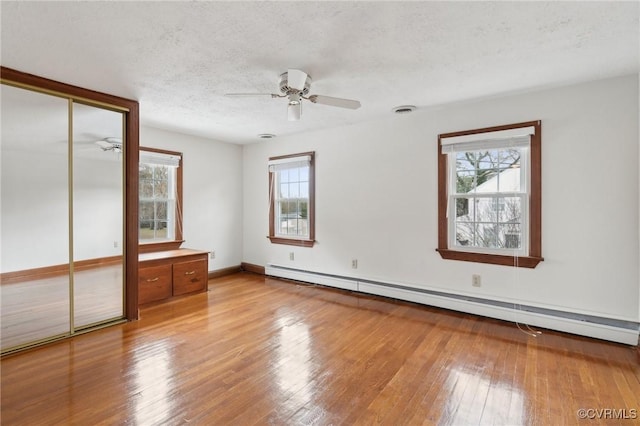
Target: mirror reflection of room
(62, 216)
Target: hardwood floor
(39, 308)
(255, 350)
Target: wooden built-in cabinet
(164, 274)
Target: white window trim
(277, 201)
(524, 196)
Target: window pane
(284, 176)
(304, 209)
(146, 210)
(161, 173)
(294, 190)
(304, 174)
(509, 178)
(487, 236)
(465, 181)
(292, 225)
(146, 189)
(486, 169)
(509, 158)
(487, 160)
(294, 175)
(465, 161)
(304, 190)
(292, 209)
(462, 209)
(161, 230)
(157, 201)
(510, 209)
(146, 230)
(486, 210)
(161, 189)
(465, 233)
(161, 210)
(509, 236)
(284, 190)
(145, 172)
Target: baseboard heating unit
(614, 330)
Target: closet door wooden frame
(132, 134)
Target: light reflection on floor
(294, 363)
(154, 381)
(500, 403)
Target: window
(489, 207)
(291, 199)
(160, 199)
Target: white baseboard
(599, 328)
(310, 277)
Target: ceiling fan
(110, 144)
(294, 85)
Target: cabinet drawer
(154, 283)
(189, 277)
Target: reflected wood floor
(255, 350)
(38, 309)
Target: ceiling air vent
(404, 109)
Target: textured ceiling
(179, 58)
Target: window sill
(161, 246)
(493, 259)
(291, 241)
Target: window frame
(534, 203)
(152, 246)
(294, 241)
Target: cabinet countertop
(169, 254)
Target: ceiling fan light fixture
(404, 109)
(266, 136)
(294, 111)
(294, 85)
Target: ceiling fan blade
(337, 102)
(104, 145)
(240, 95)
(296, 79)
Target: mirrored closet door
(97, 215)
(62, 216)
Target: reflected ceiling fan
(110, 144)
(294, 85)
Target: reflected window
(294, 362)
(160, 196)
(504, 401)
(152, 369)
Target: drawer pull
(190, 273)
(150, 280)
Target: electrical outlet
(476, 280)
(212, 254)
(354, 263)
(291, 256)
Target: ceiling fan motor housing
(285, 89)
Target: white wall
(212, 193)
(35, 209)
(376, 198)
